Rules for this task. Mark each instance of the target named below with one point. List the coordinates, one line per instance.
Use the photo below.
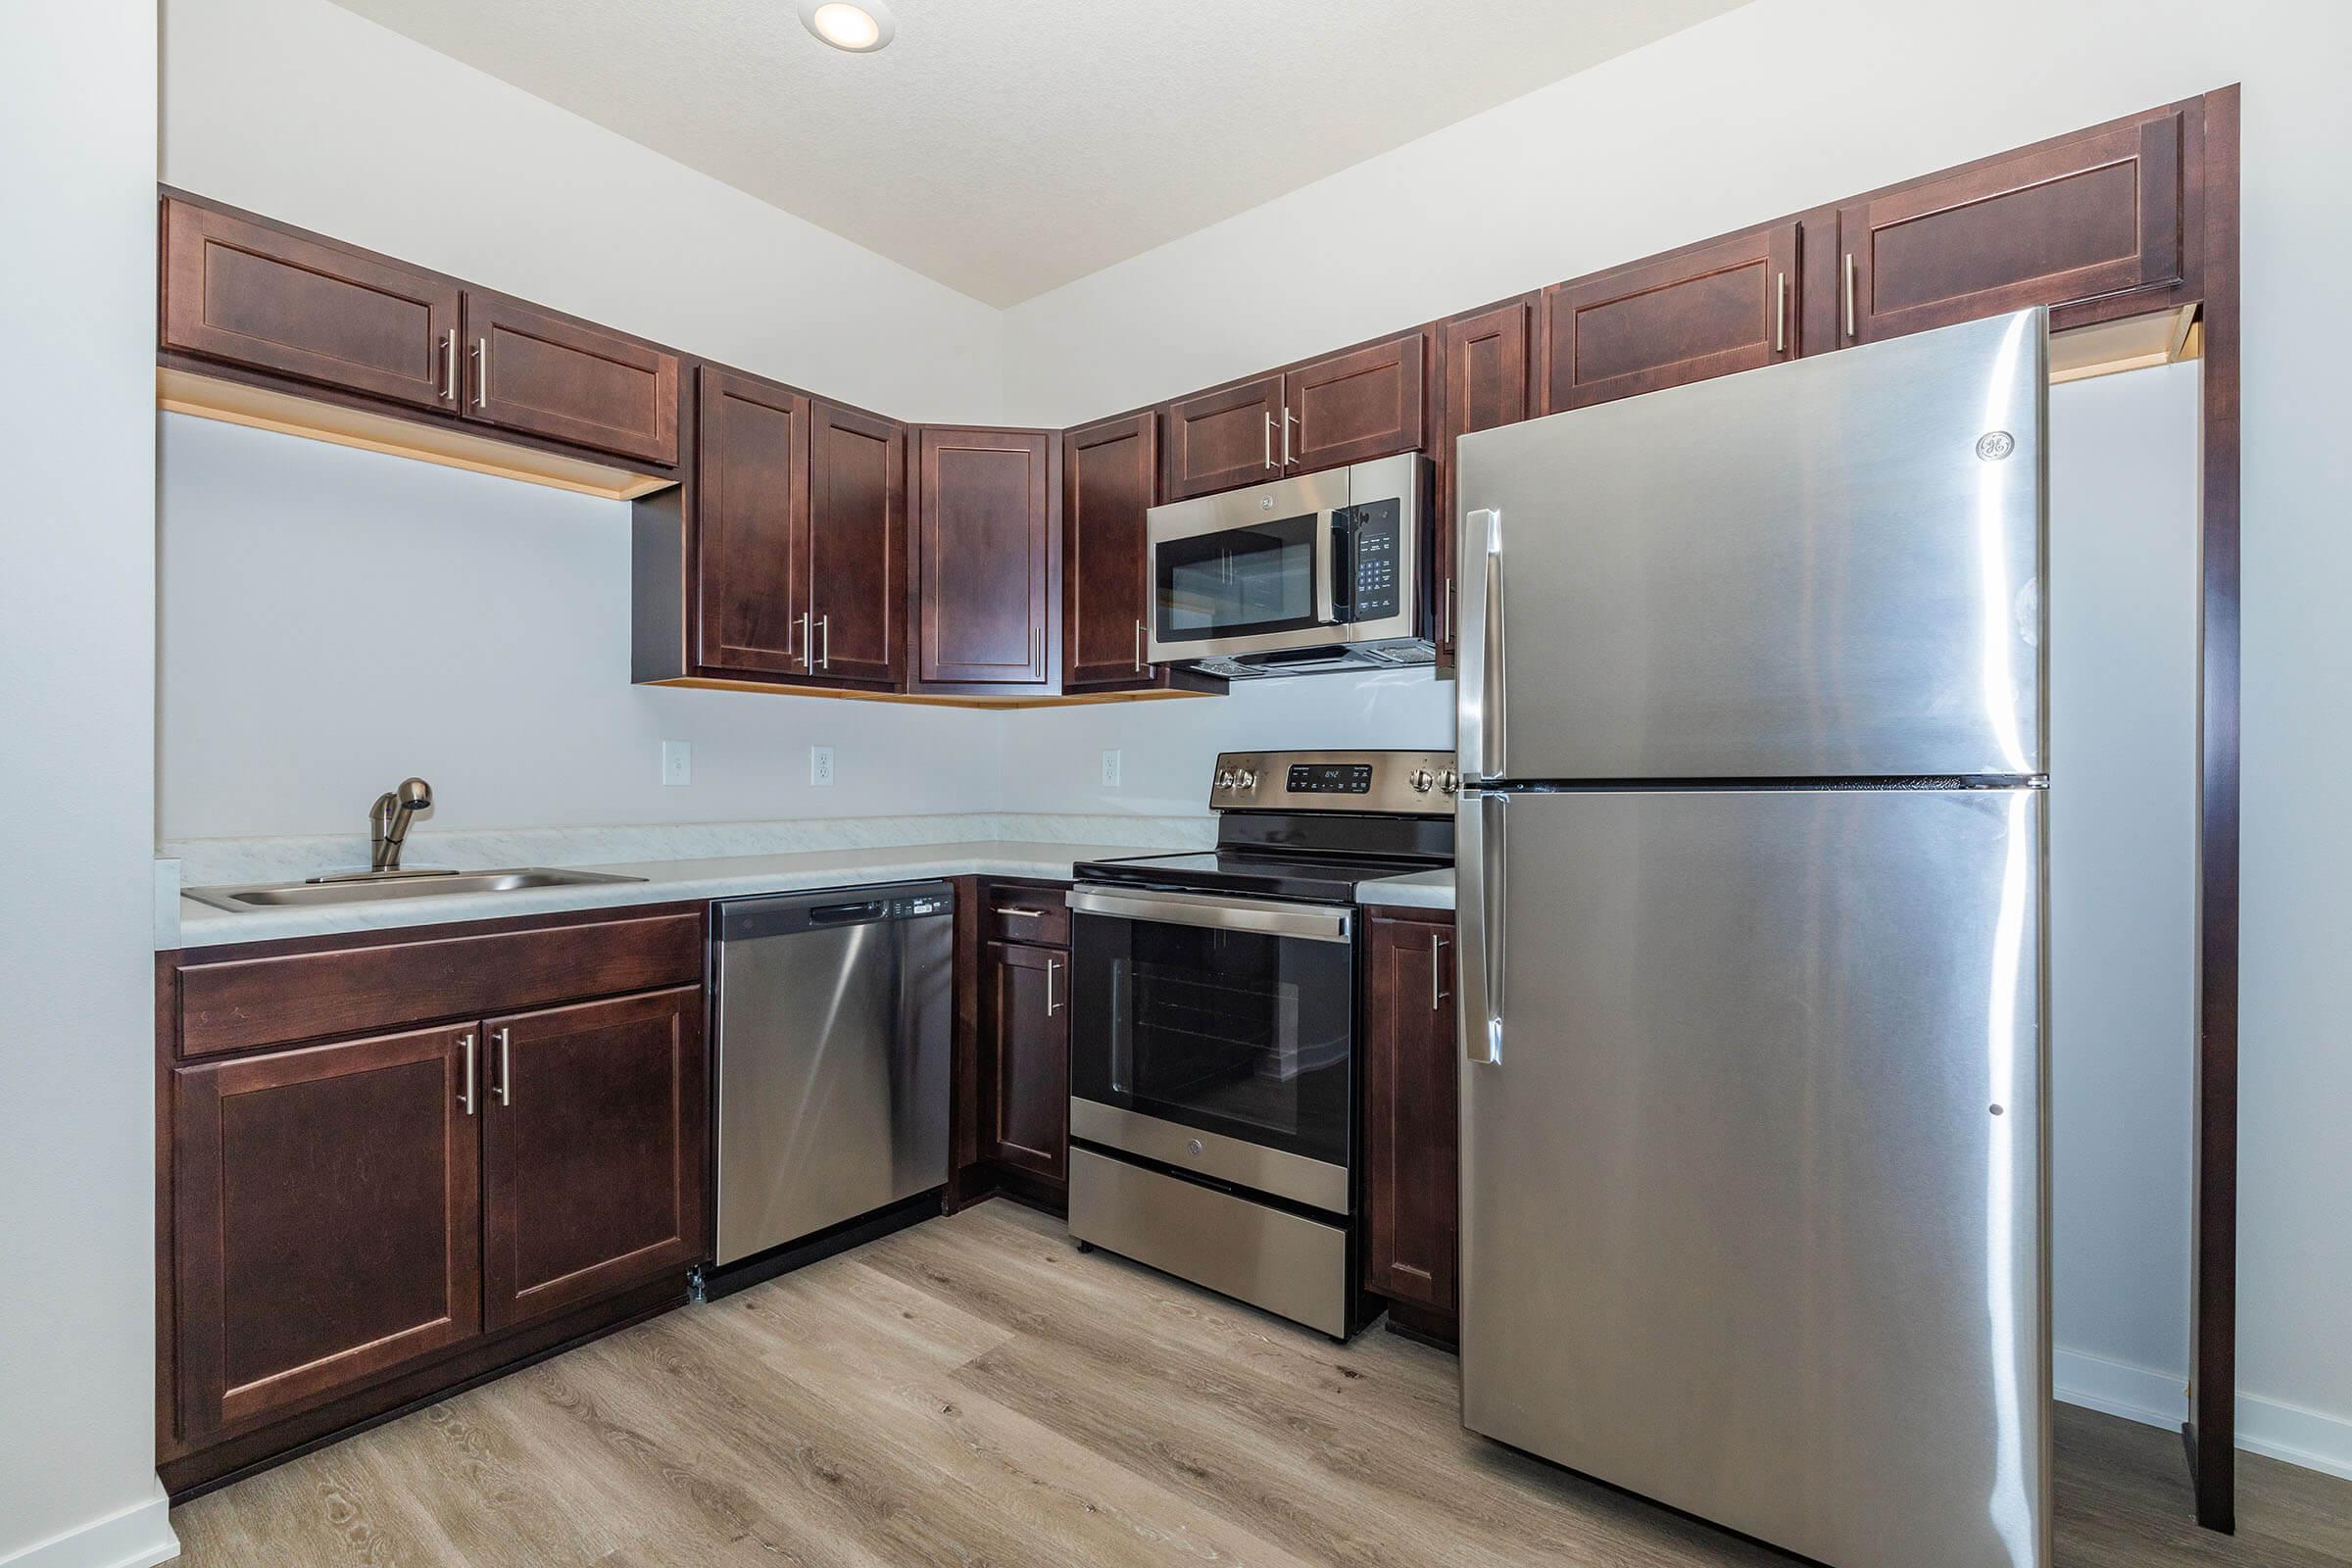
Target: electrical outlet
(677, 762)
(820, 766)
(1110, 770)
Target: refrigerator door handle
(1479, 980)
(1478, 650)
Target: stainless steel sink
(366, 887)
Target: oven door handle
(1266, 917)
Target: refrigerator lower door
(1829, 568)
(1754, 1185)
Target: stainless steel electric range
(1213, 996)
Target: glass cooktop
(1327, 879)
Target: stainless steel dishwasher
(835, 1011)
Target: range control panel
(1418, 783)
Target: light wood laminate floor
(977, 1391)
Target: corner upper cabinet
(1482, 383)
(549, 376)
(247, 293)
(1110, 471)
(2093, 219)
(985, 549)
(751, 506)
(1725, 306)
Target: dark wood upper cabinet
(1482, 382)
(251, 294)
(592, 1161)
(1412, 1166)
(326, 1221)
(857, 543)
(1366, 403)
(1217, 440)
(549, 376)
(751, 500)
(1729, 305)
(2077, 218)
(985, 542)
(1029, 1022)
(1109, 472)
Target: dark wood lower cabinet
(1412, 1161)
(328, 1220)
(593, 1165)
(1029, 1021)
(351, 1226)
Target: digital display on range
(1330, 778)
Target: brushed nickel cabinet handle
(1446, 635)
(503, 1086)
(1437, 983)
(1780, 312)
(1270, 440)
(801, 620)
(1012, 912)
(1287, 420)
(466, 1098)
(1052, 1006)
(1850, 293)
(449, 366)
(482, 373)
(1139, 666)
(824, 644)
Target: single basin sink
(368, 887)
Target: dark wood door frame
(2211, 1433)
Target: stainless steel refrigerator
(1752, 899)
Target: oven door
(1247, 572)
(1216, 1036)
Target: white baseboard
(139, 1537)
(2306, 1438)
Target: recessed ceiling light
(860, 29)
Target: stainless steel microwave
(1325, 571)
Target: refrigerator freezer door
(1753, 1198)
(1824, 568)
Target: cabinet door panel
(2093, 215)
(593, 1130)
(256, 295)
(1029, 1019)
(326, 1221)
(752, 513)
(1108, 471)
(858, 533)
(1355, 406)
(1724, 306)
(1412, 1176)
(986, 543)
(1483, 384)
(533, 372)
(1218, 440)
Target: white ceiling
(1006, 147)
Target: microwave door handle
(1345, 538)
(1326, 536)
(1478, 650)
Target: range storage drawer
(235, 1002)
(1267, 1256)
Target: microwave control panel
(1376, 534)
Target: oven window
(1234, 581)
(1231, 1032)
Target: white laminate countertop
(665, 882)
(1420, 890)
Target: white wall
(309, 115)
(77, 1480)
(2123, 606)
(334, 621)
(1785, 104)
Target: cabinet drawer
(1035, 915)
(233, 1004)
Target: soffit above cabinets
(1006, 148)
